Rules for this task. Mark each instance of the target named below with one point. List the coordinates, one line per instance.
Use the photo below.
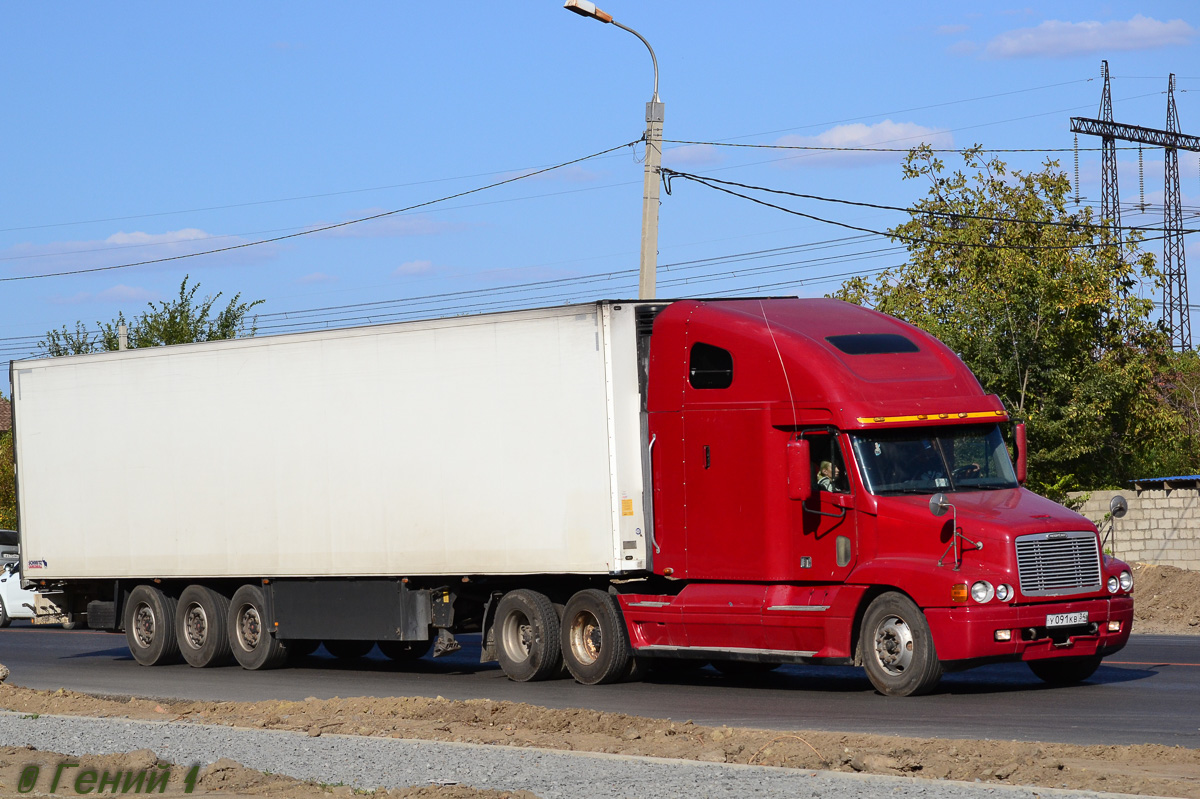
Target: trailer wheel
(348, 650)
(150, 626)
(1065, 671)
(250, 625)
(405, 651)
(897, 647)
(527, 636)
(595, 643)
(200, 627)
(5, 619)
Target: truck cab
(752, 404)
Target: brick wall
(1162, 527)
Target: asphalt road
(1146, 693)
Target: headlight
(1126, 581)
(1004, 592)
(982, 591)
(1113, 583)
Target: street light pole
(650, 190)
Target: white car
(15, 601)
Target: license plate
(1066, 619)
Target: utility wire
(888, 149)
(671, 173)
(322, 228)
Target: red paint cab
(863, 570)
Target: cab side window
(827, 466)
(710, 367)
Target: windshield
(932, 459)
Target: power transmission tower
(1175, 295)
(1174, 267)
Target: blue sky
(141, 131)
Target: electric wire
(322, 228)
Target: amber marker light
(959, 593)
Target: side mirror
(938, 504)
(1118, 506)
(1022, 461)
(799, 470)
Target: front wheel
(897, 647)
(595, 643)
(5, 619)
(1065, 671)
(250, 624)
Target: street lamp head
(585, 9)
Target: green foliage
(179, 321)
(8, 486)
(1043, 309)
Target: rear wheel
(150, 626)
(405, 651)
(200, 621)
(349, 650)
(1065, 671)
(527, 636)
(595, 643)
(250, 624)
(897, 647)
(5, 619)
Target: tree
(178, 321)
(1041, 305)
(8, 485)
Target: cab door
(827, 523)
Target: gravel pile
(372, 762)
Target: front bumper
(969, 632)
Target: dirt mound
(30, 772)
(1147, 769)
(1166, 600)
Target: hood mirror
(938, 504)
(1118, 506)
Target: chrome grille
(1056, 564)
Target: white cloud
(693, 155)
(129, 248)
(413, 268)
(1055, 38)
(316, 277)
(887, 135)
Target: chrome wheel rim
(894, 645)
(517, 636)
(249, 628)
(144, 625)
(195, 626)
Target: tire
(595, 642)
(349, 650)
(5, 619)
(405, 651)
(897, 647)
(744, 668)
(527, 636)
(200, 627)
(150, 626)
(1065, 671)
(250, 624)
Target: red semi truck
(745, 482)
